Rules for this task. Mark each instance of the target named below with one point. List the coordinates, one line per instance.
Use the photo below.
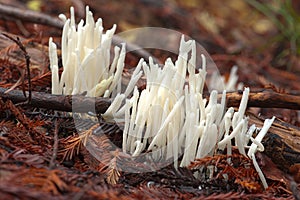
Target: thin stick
(27, 59)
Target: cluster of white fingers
(170, 117)
(85, 52)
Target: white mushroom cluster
(170, 117)
(85, 51)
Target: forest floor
(41, 154)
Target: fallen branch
(265, 99)
(66, 103)
(79, 103)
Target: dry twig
(59, 102)
(27, 58)
(78, 103)
(265, 99)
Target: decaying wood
(282, 143)
(265, 99)
(66, 103)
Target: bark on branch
(78, 103)
(265, 99)
(67, 103)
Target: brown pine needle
(73, 144)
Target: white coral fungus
(86, 59)
(170, 117)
